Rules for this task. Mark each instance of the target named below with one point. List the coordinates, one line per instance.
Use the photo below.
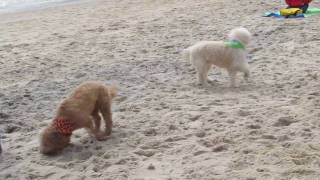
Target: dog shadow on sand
(217, 87)
(83, 147)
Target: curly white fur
(204, 54)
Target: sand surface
(165, 125)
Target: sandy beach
(166, 127)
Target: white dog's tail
(186, 55)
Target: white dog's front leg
(232, 75)
(202, 79)
(246, 76)
(245, 69)
(202, 69)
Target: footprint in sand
(284, 121)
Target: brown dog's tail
(113, 91)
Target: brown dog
(80, 110)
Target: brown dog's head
(52, 141)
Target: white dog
(230, 55)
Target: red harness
(64, 126)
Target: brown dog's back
(85, 97)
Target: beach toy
(290, 11)
(310, 12)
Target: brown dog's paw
(101, 136)
(108, 132)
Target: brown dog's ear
(113, 91)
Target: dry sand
(166, 127)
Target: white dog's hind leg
(202, 69)
(208, 79)
(202, 79)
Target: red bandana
(64, 126)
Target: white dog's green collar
(234, 44)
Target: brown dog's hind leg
(105, 110)
(96, 118)
(89, 123)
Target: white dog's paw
(248, 80)
(211, 81)
(206, 86)
(203, 84)
(246, 77)
(233, 85)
